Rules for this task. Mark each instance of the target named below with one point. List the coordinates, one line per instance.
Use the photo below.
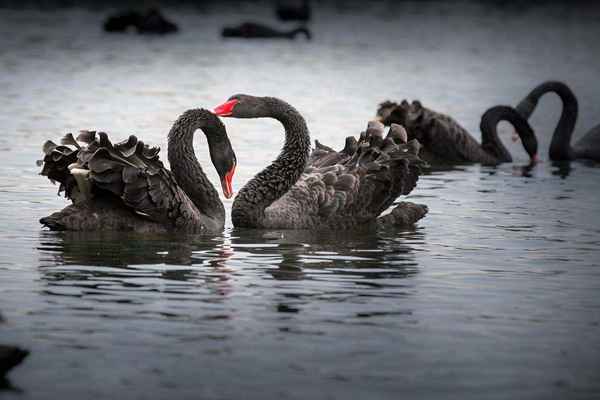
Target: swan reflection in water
(123, 267)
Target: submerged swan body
(445, 141)
(588, 147)
(252, 30)
(125, 187)
(327, 189)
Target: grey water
(495, 294)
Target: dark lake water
(495, 294)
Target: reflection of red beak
(226, 183)
(535, 159)
(225, 109)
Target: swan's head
(245, 106)
(224, 161)
(219, 147)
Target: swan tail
(404, 214)
(388, 167)
(55, 166)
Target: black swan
(286, 11)
(151, 22)
(588, 147)
(251, 30)
(125, 187)
(348, 189)
(444, 141)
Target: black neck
(276, 179)
(187, 169)
(560, 147)
(490, 141)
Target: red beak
(226, 183)
(225, 109)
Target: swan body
(150, 22)
(445, 141)
(588, 147)
(325, 188)
(125, 187)
(251, 30)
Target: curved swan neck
(490, 142)
(276, 179)
(186, 168)
(560, 147)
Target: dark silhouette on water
(122, 21)
(10, 357)
(292, 11)
(126, 187)
(251, 30)
(297, 192)
(445, 141)
(151, 22)
(588, 147)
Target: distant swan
(251, 30)
(444, 141)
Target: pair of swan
(125, 186)
(446, 142)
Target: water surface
(495, 294)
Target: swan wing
(352, 186)
(441, 136)
(91, 165)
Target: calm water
(496, 294)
